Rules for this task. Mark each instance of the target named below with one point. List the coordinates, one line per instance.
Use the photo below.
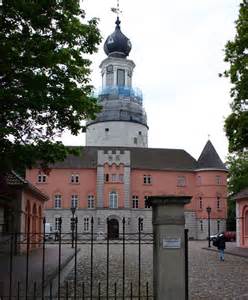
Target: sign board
(171, 243)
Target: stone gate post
(169, 246)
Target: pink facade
(207, 188)
(242, 218)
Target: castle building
(116, 170)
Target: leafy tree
(236, 124)
(236, 54)
(44, 78)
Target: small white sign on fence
(171, 243)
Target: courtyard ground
(209, 278)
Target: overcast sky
(177, 46)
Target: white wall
(119, 134)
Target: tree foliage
(44, 78)
(236, 124)
(236, 54)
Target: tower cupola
(117, 44)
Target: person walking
(221, 245)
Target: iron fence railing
(28, 273)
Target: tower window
(140, 133)
(135, 140)
(106, 129)
(218, 180)
(109, 69)
(120, 77)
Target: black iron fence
(77, 265)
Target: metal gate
(99, 266)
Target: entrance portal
(113, 229)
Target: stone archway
(113, 229)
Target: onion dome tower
(122, 121)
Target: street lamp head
(73, 209)
(208, 209)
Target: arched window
(113, 200)
(246, 223)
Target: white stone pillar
(169, 266)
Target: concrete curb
(54, 274)
(226, 252)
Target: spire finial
(209, 136)
(117, 11)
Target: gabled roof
(15, 180)
(209, 158)
(242, 194)
(141, 158)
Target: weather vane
(116, 10)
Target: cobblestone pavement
(208, 277)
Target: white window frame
(56, 223)
(74, 200)
(91, 201)
(57, 201)
(42, 178)
(135, 201)
(113, 199)
(86, 224)
(147, 179)
(74, 178)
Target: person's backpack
(215, 242)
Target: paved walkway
(35, 267)
(209, 278)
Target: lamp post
(73, 210)
(209, 212)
